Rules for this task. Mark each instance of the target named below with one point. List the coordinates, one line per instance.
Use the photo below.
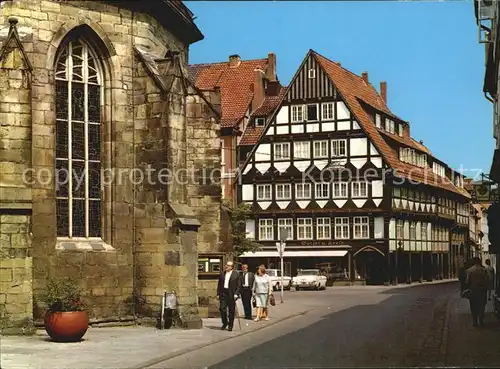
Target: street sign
(280, 247)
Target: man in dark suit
(228, 291)
(247, 279)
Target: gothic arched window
(78, 141)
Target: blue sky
(428, 52)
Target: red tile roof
(235, 84)
(252, 134)
(408, 141)
(354, 89)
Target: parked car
(275, 276)
(309, 279)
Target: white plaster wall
(247, 192)
(328, 126)
(282, 130)
(378, 227)
(250, 228)
(263, 152)
(344, 126)
(282, 117)
(298, 128)
(312, 127)
(358, 147)
(342, 111)
(377, 189)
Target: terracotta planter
(68, 326)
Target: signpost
(281, 249)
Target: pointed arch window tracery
(78, 141)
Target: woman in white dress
(262, 289)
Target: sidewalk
(468, 346)
(126, 347)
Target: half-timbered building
(339, 171)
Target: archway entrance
(371, 265)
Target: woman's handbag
(254, 302)
(272, 300)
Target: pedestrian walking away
(462, 274)
(228, 291)
(262, 289)
(477, 283)
(491, 277)
(246, 290)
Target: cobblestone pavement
(422, 326)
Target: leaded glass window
(78, 142)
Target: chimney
(364, 75)
(259, 92)
(234, 60)
(271, 67)
(383, 90)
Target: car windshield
(308, 272)
(271, 272)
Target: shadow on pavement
(389, 333)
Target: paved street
(372, 327)
(421, 325)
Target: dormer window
(260, 122)
(378, 121)
(312, 73)
(400, 130)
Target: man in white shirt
(246, 290)
(228, 291)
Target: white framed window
(378, 121)
(322, 190)
(302, 150)
(286, 224)
(400, 130)
(327, 111)
(282, 151)
(304, 229)
(266, 230)
(323, 228)
(424, 231)
(342, 228)
(283, 191)
(312, 112)
(78, 95)
(413, 231)
(399, 229)
(311, 73)
(264, 192)
(320, 149)
(361, 227)
(389, 125)
(339, 148)
(302, 191)
(260, 122)
(359, 189)
(297, 113)
(340, 190)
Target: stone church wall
(141, 127)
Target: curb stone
(157, 360)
